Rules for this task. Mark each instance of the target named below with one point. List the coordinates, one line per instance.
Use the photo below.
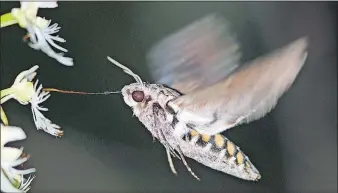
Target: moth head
(134, 94)
(138, 97)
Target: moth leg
(186, 164)
(164, 141)
(180, 130)
(171, 163)
(168, 147)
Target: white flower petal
(51, 29)
(41, 32)
(38, 91)
(38, 4)
(58, 39)
(36, 84)
(32, 35)
(67, 61)
(41, 122)
(18, 162)
(11, 133)
(10, 157)
(25, 185)
(30, 77)
(47, 4)
(34, 117)
(40, 40)
(34, 46)
(51, 42)
(9, 154)
(24, 172)
(43, 41)
(25, 4)
(42, 109)
(27, 74)
(30, 9)
(41, 22)
(44, 96)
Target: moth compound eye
(138, 96)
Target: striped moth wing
(202, 62)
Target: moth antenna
(126, 70)
(171, 163)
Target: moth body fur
(214, 151)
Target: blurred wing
(246, 95)
(195, 57)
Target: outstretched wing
(195, 57)
(245, 95)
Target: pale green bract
(7, 19)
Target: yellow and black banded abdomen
(220, 143)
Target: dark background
(105, 149)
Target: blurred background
(105, 149)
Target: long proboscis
(126, 70)
(80, 93)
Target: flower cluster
(12, 179)
(41, 35)
(25, 92)
(40, 31)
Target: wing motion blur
(211, 102)
(198, 56)
(244, 96)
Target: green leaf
(7, 19)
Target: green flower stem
(7, 19)
(6, 92)
(5, 95)
(3, 117)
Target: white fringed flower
(25, 92)
(40, 31)
(40, 120)
(13, 180)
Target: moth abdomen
(218, 142)
(222, 151)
